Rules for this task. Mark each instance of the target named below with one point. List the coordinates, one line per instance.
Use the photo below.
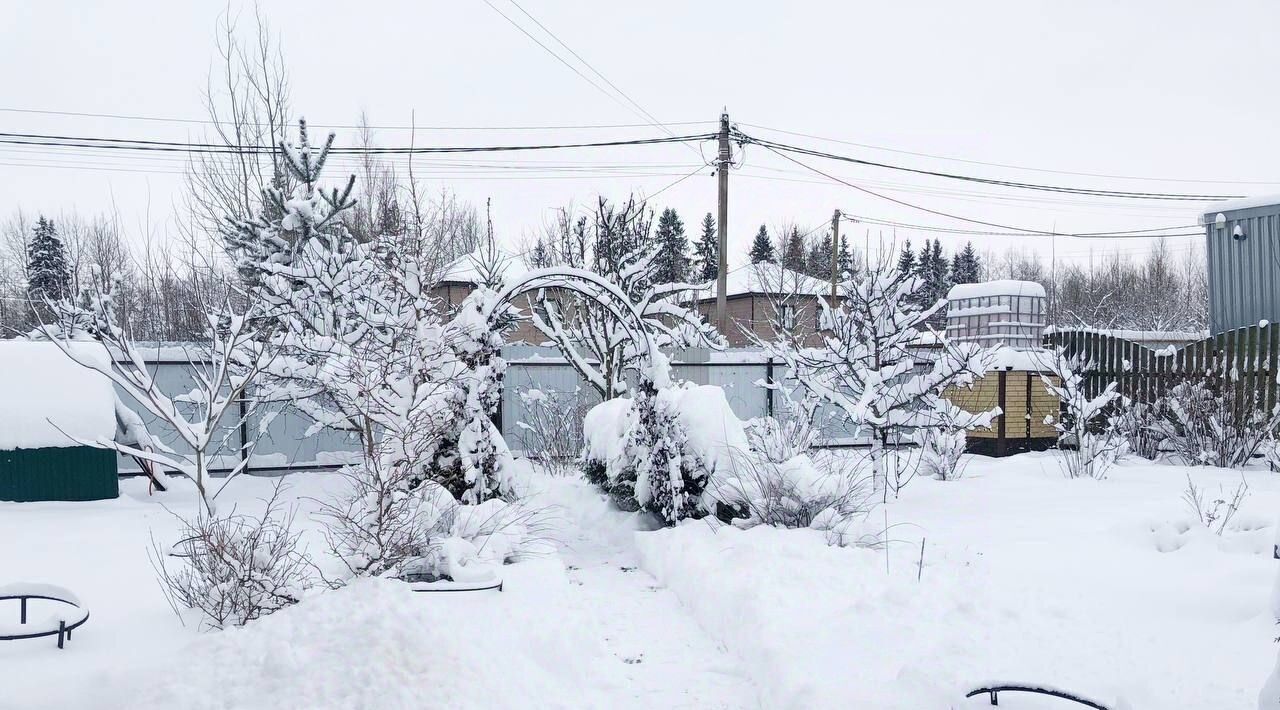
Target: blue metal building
(1242, 245)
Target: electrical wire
(57, 141)
(1123, 194)
(1007, 165)
(1164, 231)
(208, 122)
(1019, 230)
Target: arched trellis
(586, 283)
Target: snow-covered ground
(1103, 587)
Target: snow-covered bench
(994, 689)
(66, 617)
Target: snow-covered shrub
(1208, 421)
(658, 451)
(235, 568)
(1087, 434)
(385, 515)
(824, 488)
(1140, 424)
(940, 452)
(794, 433)
(1215, 513)
(551, 430)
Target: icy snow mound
(376, 644)
(47, 400)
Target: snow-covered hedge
(697, 437)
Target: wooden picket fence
(1245, 359)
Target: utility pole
(835, 257)
(722, 227)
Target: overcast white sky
(1168, 89)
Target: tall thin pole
(722, 227)
(835, 256)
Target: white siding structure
(997, 312)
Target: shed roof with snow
(766, 278)
(50, 407)
(49, 401)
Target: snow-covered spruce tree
(601, 348)
(673, 247)
(48, 278)
(706, 253)
(1088, 437)
(866, 368)
(762, 247)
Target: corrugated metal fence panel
(71, 473)
(286, 441)
(176, 377)
(1244, 274)
(550, 377)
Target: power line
(637, 107)
(1020, 230)
(1124, 194)
(595, 71)
(1150, 233)
(56, 141)
(208, 122)
(1007, 165)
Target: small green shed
(51, 409)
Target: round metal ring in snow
(992, 691)
(446, 585)
(68, 617)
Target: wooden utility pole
(722, 227)
(835, 257)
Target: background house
(759, 294)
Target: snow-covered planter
(658, 451)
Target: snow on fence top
(46, 400)
(995, 288)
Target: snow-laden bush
(551, 429)
(657, 451)
(235, 568)
(1208, 421)
(794, 433)
(1140, 424)
(1087, 434)
(385, 515)
(817, 490)
(940, 452)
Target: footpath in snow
(586, 630)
